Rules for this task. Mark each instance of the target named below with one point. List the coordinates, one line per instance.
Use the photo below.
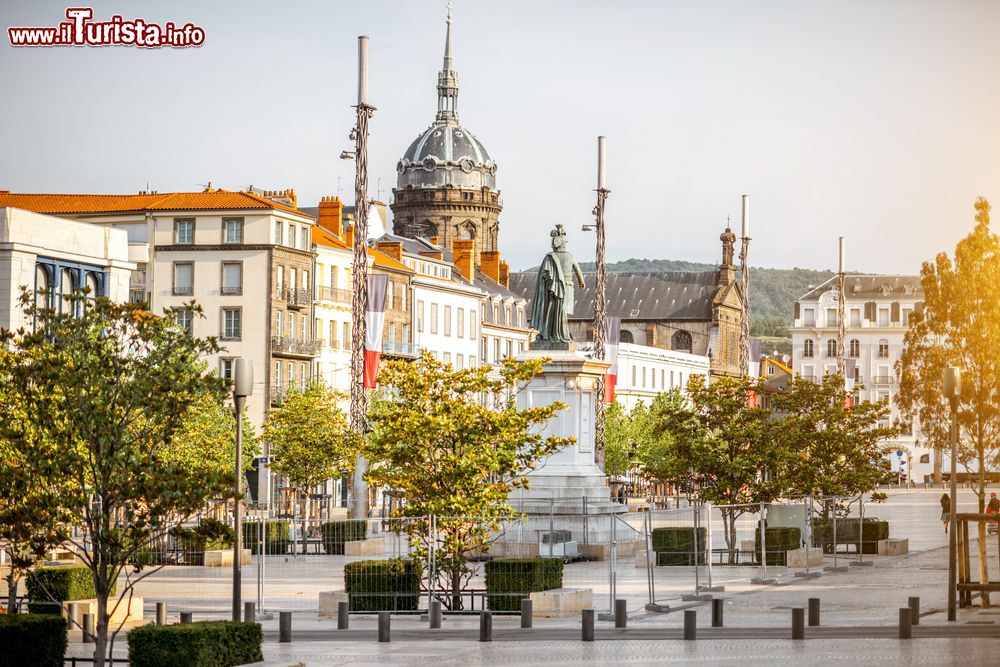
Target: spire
(448, 82)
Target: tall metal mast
(745, 291)
(841, 311)
(600, 304)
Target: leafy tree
(837, 446)
(626, 435)
(721, 444)
(311, 439)
(205, 443)
(108, 387)
(960, 325)
(445, 452)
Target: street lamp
(952, 391)
(242, 387)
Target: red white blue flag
(613, 326)
(374, 322)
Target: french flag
(613, 326)
(374, 321)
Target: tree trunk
(729, 528)
(938, 461)
(101, 641)
(12, 581)
(456, 590)
(984, 577)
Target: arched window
(43, 286)
(883, 349)
(807, 348)
(93, 286)
(681, 341)
(67, 285)
(831, 347)
(855, 348)
(625, 337)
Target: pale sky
(878, 120)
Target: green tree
(205, 443)
(311, 439)
(448, 452)
(960, 326)
(626, 437)
(109, 386)
(837, 445)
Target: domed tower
(446, 181)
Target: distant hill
(772, 291)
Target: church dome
(446, 154)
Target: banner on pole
(613, 326)
(374, 321)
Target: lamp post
(952, 391)
(600, 304)
(242, 387)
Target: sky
(876, 120)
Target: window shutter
(797, 310)
(894, 312)
(870, 311)
(918, 308)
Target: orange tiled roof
(56, 204)
(386, 262)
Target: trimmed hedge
(383, 585)
(847, 533)
(38, 640)
(780, 539)
(50, 586)
(202, 644)
(675, 546)
(209, 535)
(335, 533)
(275, 537)
(508, 580)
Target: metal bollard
(161, 613)
(798, 623)
(914, 611)
(485, 626)
(71, 613)
(718, 604)
(435, 613)
(249, 612)
(526, 612)
(284, 626)
(343, 615)
(88, 628)
(621, 613)
(813, 612)
(588, 625)
(690, 624)
(186, 617)
(905, 627)
(383, 626)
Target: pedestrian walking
(945, 510)
(993, 508)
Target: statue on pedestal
(554, 295)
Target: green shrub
(335, 533)
(209, 535)
(847, 533)
(780, 539)
(38, 640)
(508, 580)
(49, 586)
(675, 546)
(275, 537)
(383, 585)
(203, 644)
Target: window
(402, 296)
(291, 278)
(459, 361)
(279, 323)
(226, 369)
(472, 362)
(291, 325)
(348, 344)
(291, 235)
(626, 337)
(92, 285)
(434, 318)
(391, 333)
(279, 229)
(302, 376)
(663, 377)
(831, 317)
(634, 372)
(807, 348)
(808, 372)
(770, 369)
(520, 316)
(510, 348)
(681, 341)
(671, 379)
(855, 317)
(925, 458)
(232, 277)
(277, 375)
(496, 350)
(460, 323)
(183, 231)
(809, 317)
(232, 323)
(333, 277)
(304, 330)
(447, 357)
(483, 348)
(184, 319)
(333, 335)
(447, 320)
(183, 278)
(42, 286)
(855, 348)
(906, 317)
(883, 349)
(232, 230)
(406, 333)
(304, 238)
(883, 317)
(652, 378)
(305, 279)
(472, 325)
(831, 347)
(420, 316)
(279, 278)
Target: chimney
(349, 236)
(393, 249)
(433, 254)
(504, 274)
(331, 213)
(489, 261)
(464, 256)
(435, 240)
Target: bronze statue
(554, 295)
(728, 241)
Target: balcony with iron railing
(289, 345)
(295, 297)
(883, 379)
(232, 289)
(334, 295)
(183, 290)
(398, 348)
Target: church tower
(446, 181)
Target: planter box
(561, 602)
(129, 611)
(797, 558)
(328, 601)
(894, 546)
(602, 552)
(372, 547)
(514, 549)
(224, 558)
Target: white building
(877, 313)
(41, 252)
(644, 372)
